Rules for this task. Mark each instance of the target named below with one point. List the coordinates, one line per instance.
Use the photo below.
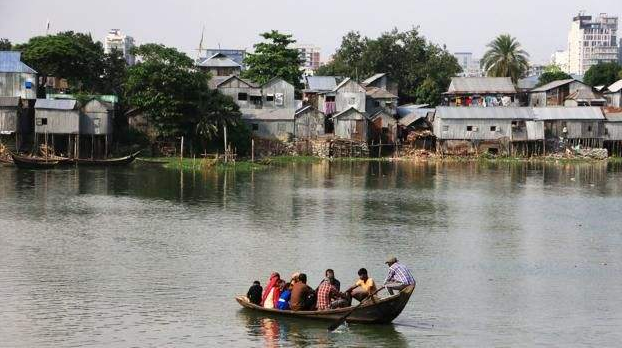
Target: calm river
(512, 255)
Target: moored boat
(108, 162)
(28, 162)
(381, 311)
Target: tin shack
(571, 126)
(57, 124)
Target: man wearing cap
(398, 277)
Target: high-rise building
(116, 40)
(592, 40)
(620, 52)
(311, 55)
(560, 58)
(470, 66)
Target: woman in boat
(271, 292)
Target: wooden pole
(225, 133)
(181, 150)
(92, 145)
(252, 150)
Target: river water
(504, 254)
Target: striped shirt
(399, 273)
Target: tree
(5, 44)
(421, 69)
(603, 74)
(274, 58)
(73, 56)
(552, 73)
(505, 58)
(175, 96)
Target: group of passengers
(296, 295)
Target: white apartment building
(592, 40)
(560, 58)
(470, 66)
(116, 40)
(311, 55)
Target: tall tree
(603, 74)
(5, 44)
(274, 58)
(552, 73)
(175, 96)
(73, 56)
(421, 69)
(505, 58)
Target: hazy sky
(541, 26)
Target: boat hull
(108, 162)
(33, 162)
(382, 311)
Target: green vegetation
(552, 73)
(5, 44)
(176, 97)
(421, 69)
(505, 58)
(603, 74)
(274, 58)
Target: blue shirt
(283, 303)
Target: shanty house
(570, 92)
(57, 116)
(13, 121)
(220, 65)
(460, 130)
(315, 85)
(381, 81)
(480, 91)
(268, 109)
(348, 94)
(309, 123)
(614, 95)
(613, 133)
(16, 78)
(351, 124)
(378, 99)
(383, 127)
(415, 125)
(575, 125)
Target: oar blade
(336, 324)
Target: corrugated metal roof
(569, 113)
(616, 87)
(483, 85)
(269, 115)
(372, 78)
(510, 113)
(56, 104)
(379, 93)
(321, 83)
(219, 60)
(305, 109)
(9, 101)
(404, 110)
(342, 83)
(10, 62)
(584, 95)
(351, 108)
(553, 85)
(617, 117)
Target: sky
(540, 25)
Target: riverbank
(200, 164)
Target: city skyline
(322, 25)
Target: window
(330, 98)
(589, 128)
(445, 128)
(243, 96)
(493, 128)
(279, 99)
(269, 98)
(376, 103)
(469, 128)
(255, 126)
(257, 101)
(42, 122)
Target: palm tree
(505, 58)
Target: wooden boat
(27, 162)
(108, 162)
(382, 311)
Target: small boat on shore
(29, 162)
(108, 162)
(382, 311)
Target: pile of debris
(420, 154)
(5, 155)
(581, 153)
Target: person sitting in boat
(270, 296)
(327, 294)
(363, 287)
(330, 275)
(286, 294)
(302, 297)
(254, 293)
(294, 278)
(398, 276)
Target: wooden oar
(341, 320)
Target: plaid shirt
(399, 273)
(325, 293)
